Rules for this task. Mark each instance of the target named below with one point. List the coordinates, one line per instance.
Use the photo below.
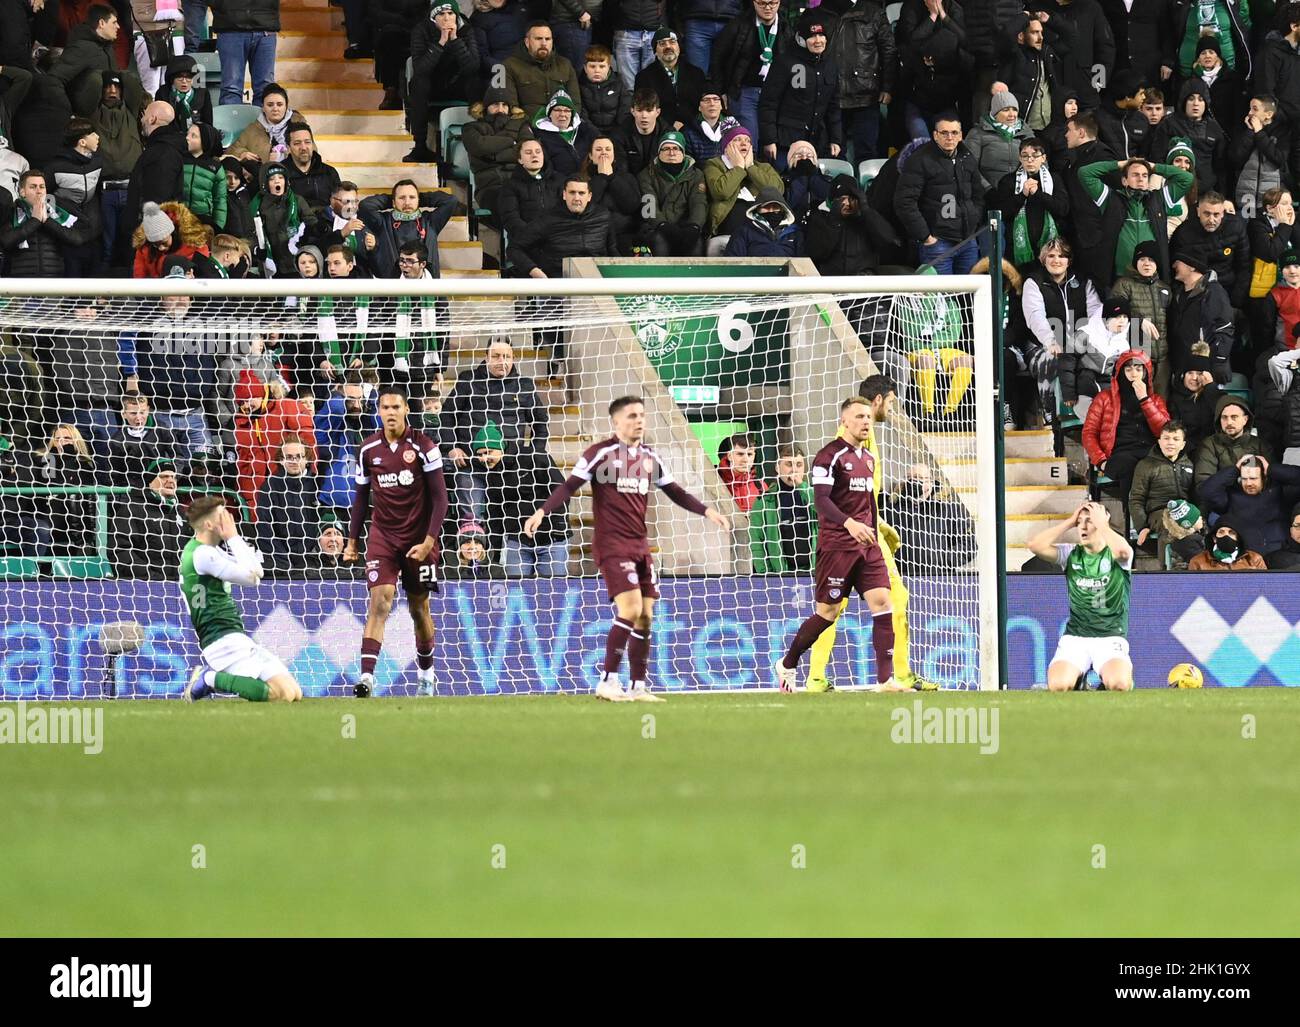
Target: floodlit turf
(693, 831)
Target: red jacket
(258, 435)
(745, 486)
(1288, 309)
(1102, 422)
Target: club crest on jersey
(409, 456)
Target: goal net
(120, 407)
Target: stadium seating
(232, 118)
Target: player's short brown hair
(624, 401)
(853, 400)
(202, 507)
(874, 386)
(789, 450)
(645, 99)
(597, 52)
(738, 441)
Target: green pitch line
(693, 831)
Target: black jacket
(621, 195)
(1196, 412)
(1024, 69)
(559, 233)
(862, 46)
(1261, 160)
(944, 83)
(562, 157)
(492, 142)
(200, 105)
(677, 103)
(511, 402)
(316, 184)
(851, 245)
(76, 180)
(927, 187)
(1261, 521)
(436, 209)
(990, 28)
(454, 67)
(34, 249)
(1143, 35)
(158, 175)
(245, 15)
(635, 151)
(606, 104)
(1124, 132)
(519, 484)
(288, 524)
(736, 61)
(1087, 221)
(1006, 198)
(149, 534)
(1202, 313)
(128, 454)
(1279, 74)
(1209, 140)
(523, 199)
(788, 113)
(1080, 33)
(1225, 252)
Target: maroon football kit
(844, 486)
(402, 485)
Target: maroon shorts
(839, 573)
(623, 575)
(384, 567)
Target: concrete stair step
(566, 449)
(298, 17)
(378, 176)
(455, 230)
(462, 254)
(291, 70)
(380, 149)
(962, 445)
(1019, 471)
(314, 44)
(361, 121)
(1053, 500)
(327, 94)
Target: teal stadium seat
(209, 70)
(832, 167)
(869, 169)
(232, 118)
(451, 121)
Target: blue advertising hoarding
(548, 635)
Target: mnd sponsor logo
(44, 724)
(103, 980)
(946, 725)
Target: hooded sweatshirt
(204, 180)
(1207, 137)
(1221, 450)
(776, 234)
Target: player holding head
(878, 391)
(620, 470)
(400, 485)
(1098, 578)
(216, 558)
(848, 551)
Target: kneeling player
(215, 559)
(1098, 578)
(400, 484)
(620, 470)
(848, 552)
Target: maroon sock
(369, 653)
(616, 644)
(424, 660)
(808, 633)
(638, 654)
(882, 640)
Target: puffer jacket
(756, 238)
(492, 142)
(787, 113)
(1148, 301)
(315, 185)
(560, 233)
(1225, 251)
(529, 83)
(641, 15)
(204, 181)
(497, 33)
(735, 60)
(1102, 423)
(724, 185)
(997, 154)
(1208, 139)
(34, 249)
(926, 190)
(990, 27)
(863, 49)
(563, 157)
(86, 52)
(1079, 32)
(190, 238)
(119, 140)
(524, 198)
(605, 105)
(683, 199)
(1156, 481)
(454, 66)
(850, 245)
(245, 15)
(1219, 450)
(619, 194)
(1279, 74)
(1261, 160)
(76, 180)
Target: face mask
(774, 218)
(1226, 549)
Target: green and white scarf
(53, 212)
(1023, 248)
(327, 329)
(766, 43)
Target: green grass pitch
(694, 831)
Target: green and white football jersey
(1098, 586)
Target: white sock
(210, 678)
(638, 685)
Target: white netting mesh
(117, 411)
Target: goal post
(259, 391)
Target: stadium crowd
(1143, 155)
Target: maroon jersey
(400, 499)
(620, 479)
(847, 477)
